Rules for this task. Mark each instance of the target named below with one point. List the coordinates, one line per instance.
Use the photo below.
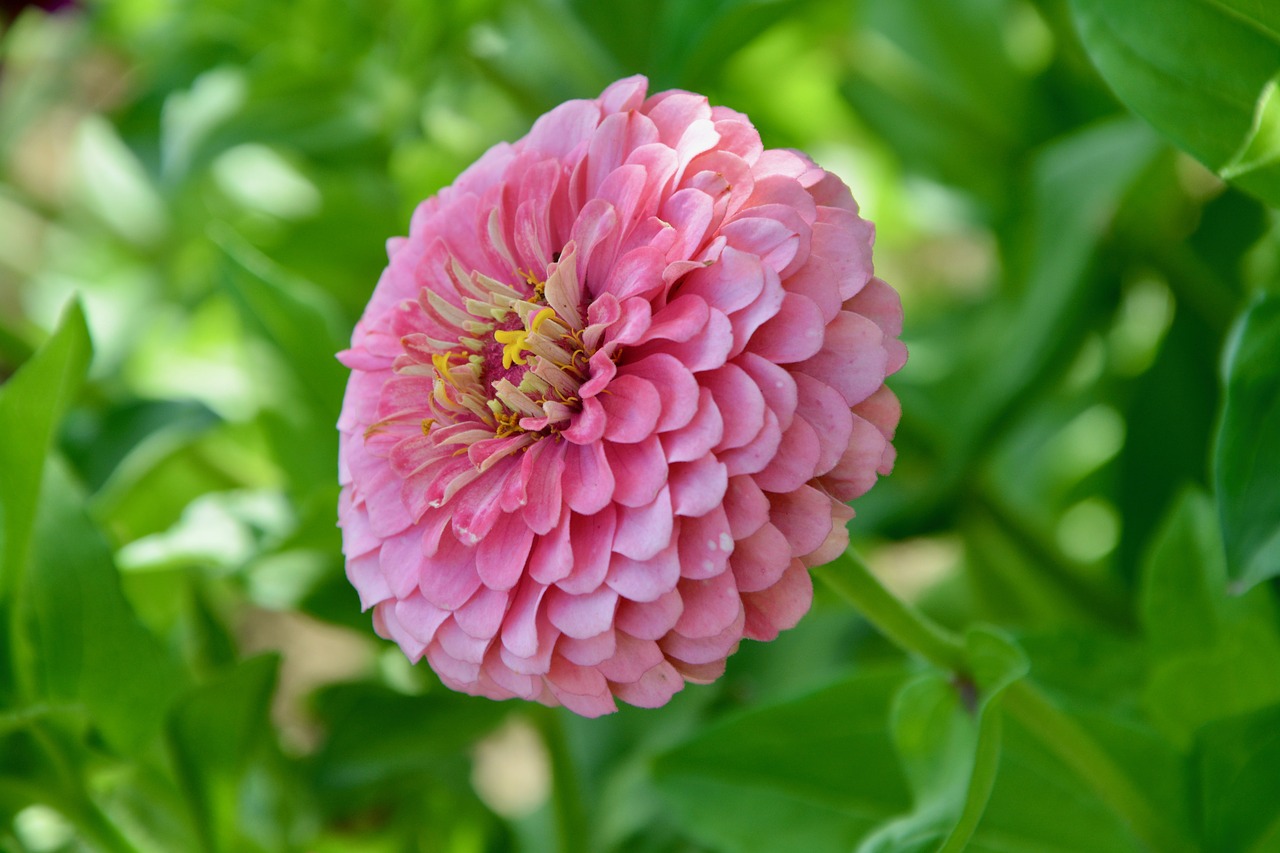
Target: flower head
(608, 402)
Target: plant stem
(849, 577)
(914, 632)
(566, 791)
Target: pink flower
(608, 401)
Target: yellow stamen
(540, 317)
(512, 343)
(441, 363)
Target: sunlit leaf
(31, 404)
(1202, 72)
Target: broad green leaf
(1235, 761)
(1215, 655)
(1202, 72)
(211, 733)
(1247, 454)
(91, 649)
(948, 735)
(31, 404)
(814, 773)
(1183, 578)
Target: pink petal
(587, 482)
(639, 470)
(852, 360)
(482, 616)
(759, 452)
(631, 406)
(730, 284)
(449, 578)
(552, 557)
(793, 334)
(541, 470)
(740, 403)
(591, 651)
(710, 606)
(796, 460)
(704, 649)
(581, 616)
(775, 382)
(419, 617)
(698, 487)
(632, 658)
(644, 531)
(696, 438)
(653, 689)
(501, 556)
(645, 580)
(649, 620)
(592, 540)
(825, 410)
(746, 506)
(587, 425)
(781, 606)
(705, 545)
(675, 384)
(760, 559)
(803, 517)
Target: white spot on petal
(726, 542)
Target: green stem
(849, 577)
(914, 632)
(566, 790)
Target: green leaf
(1183, 578)
(1202, 72)
(1247, 454)
(381, 741)
(948, 735)
(92, 649)
(813, 773)
(1215, 655)
(294, 316)
(31, 405)
(1235, 762)
(211, 734)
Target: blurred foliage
(194, 201)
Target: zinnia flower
(609, 400)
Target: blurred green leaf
(1215, 656)
(1235, 762)
(936, 79)
(31, 405)
(295, 317)
(814, 773)
(1202, 72)
(380, 741)
(948, 735)
(92, 649)
(1183, 579)
(211, 734)
(1247, 454)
